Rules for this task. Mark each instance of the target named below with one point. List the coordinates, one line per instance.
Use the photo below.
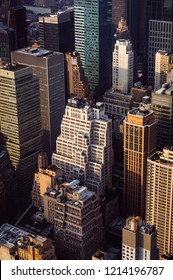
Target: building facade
(45, 177)
(20, 122)
(122, 68)
(139, 241)
(84, 148)
(7, 188)
(162, 106)
(18, 244)
(49, 67)
(159, 198)
(163, 68)
(76, 215)
(77, 83)
(56, 32)
(160, 38)
(119, 9)
(93, 32)
(139, 144)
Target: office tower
(49, 67)
(56, 32)
(138, 16)
(7, 187)
(20, 122)
(160, 37)
(119, 9)
(77, 83)
(135, 22)
(17, 21)
(122, 70)
(117, 105)
(163, 68)
(18, 244)
(159, 198)
(139, 144)
(139, 240)
(44, 177)
(93, 31)
(162, 106)
(84, 148)
(7, 42)
(77, 220)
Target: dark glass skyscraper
(139, 14)
(93, 29)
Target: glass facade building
(93, 29)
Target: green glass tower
(93, 31)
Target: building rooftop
(136, 224)
(140, 111)
(37, 52)
(13, 67)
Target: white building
(84, 148)
(122, 72)
(159, 198)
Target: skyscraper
(139, 241)
(76, 215)
(162, 106)
(93, 31)
(119, 9)
(7, 42)
(49, 67)
(160, 38)
(84, 148)
(122, 71)
(56, 32)
(139, 14)
(139, 144)
(17, 21)
(20, 122)
(159, 198)
(163, 68)
(77, 83)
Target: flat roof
(34, 51)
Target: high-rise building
(122, 68)
(162, 106)
(20, 122)
(45, 177)
(84, 148)
(93, 31)
(139, 144)
(163, 68)
(139, 240)
(49, 67)
(118, 10)
(117, 105)
(76, 215)
(7, 42)
(77, 83)
(17, 21)
(160, 38)
(56, 32)
(18, 244)
(159, 198)
(7, 188)
(139, 14)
